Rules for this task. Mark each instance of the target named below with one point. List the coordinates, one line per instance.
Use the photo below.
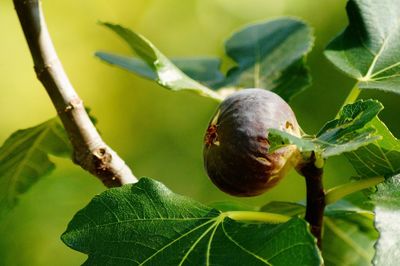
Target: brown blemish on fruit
(211, 137)
(264, 161)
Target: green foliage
(206, 70)
(368, 50)
(147, 224)
(24, 159)
(349, 132)
(387, 214)
(167, 74)
(349, 234)
(381, 158)
(269, 55)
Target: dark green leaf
(368, 50)
(205, 70)
(387, 216)
(147, 224)
(24, 159)
(271, 55)
(347, 133)
(349, 234)
(167, 74)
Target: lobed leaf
(24, 158)
(147, 224)
(271, 55)
(351, 131)
(368, 50)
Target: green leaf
(387, 216)
(349, 234)
(167, 74)
(279, 139)
(147, 224)
(349, 132)
(348, 240)
(225, 206)
(284, 208)
(24, 159)
(368, 50)
(381, 158)
(206, 70)
(271, 55)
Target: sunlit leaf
(147, 224)
(24, 159)
(368, 50)
(349, 132)
(206, 70)
(167, 73)
(269, 54)
(387, 216)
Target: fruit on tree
(236, 146)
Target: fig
(236, 146)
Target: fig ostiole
(236, 146)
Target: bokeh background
(158, 133)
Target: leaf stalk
(351, 97)
(339, 192)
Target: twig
(315, 196)
(90, 151)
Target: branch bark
(90, 151)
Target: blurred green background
(158, 133)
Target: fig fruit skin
(236, 147)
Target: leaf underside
(381, 158)
(24, 159)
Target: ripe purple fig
(236, 146)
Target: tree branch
(90, 151)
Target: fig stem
(336, 193)
(315, 196)
(351, 97)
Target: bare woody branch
(90, 151)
